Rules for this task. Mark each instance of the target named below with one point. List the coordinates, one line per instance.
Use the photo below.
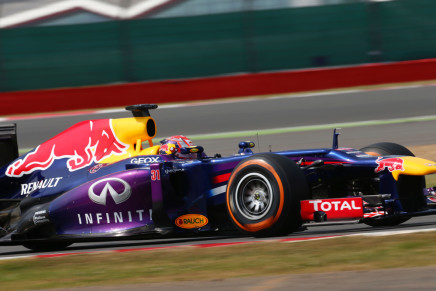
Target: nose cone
(416, 167)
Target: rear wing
(8, 143)
(141, 110)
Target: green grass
(188, 263)
(430, 180)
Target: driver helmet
(173, 144)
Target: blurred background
(67, 43)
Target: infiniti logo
(119, 195)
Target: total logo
(117, 188)
(320, 205)
(335, 209)
(189, 221)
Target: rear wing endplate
(8, 143)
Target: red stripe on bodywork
(221, 178)
(307, 163)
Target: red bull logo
(83, 144)
(392, 164)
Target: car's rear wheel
(264, 194)
(409, 187)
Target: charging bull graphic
(391, 164)
(83, 144)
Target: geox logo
(117, 188)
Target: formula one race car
(96, 181)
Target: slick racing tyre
(264, 194)
(387, 148)
(409, 187)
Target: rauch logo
(189, 221)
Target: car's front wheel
(264, 194)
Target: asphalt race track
(427, 222)
(405, 116)
(286, 112)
